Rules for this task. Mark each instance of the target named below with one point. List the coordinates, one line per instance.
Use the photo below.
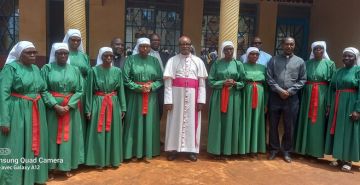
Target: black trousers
(290, 109)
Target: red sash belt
(106, 104)
(145, 99)
(225, 93)
(254, 94)
(64, 120)
(337, 95)
(314, 100)
(189, 83)
(35, 121)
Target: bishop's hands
(168, 107)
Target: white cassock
(182, 134)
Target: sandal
(68, 174)
(51, 176)
(99, 168)
(335, 163)
(346, 167)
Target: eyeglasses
(62, 53)
(255, 43)
(30, 52)
(108, 55)
(75, 40)
(256, 54)
(185, 44)
(144, 46)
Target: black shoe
(287, 158)
(171, 156)
(272, 155)
(192, 157)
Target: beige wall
(106, 21)
(337, 23)
(192, 22)
(32, 23)
(267, 24)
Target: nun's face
(253, 57)
(61, 56)
(74, 43)
(318, 52)
(228, 52)
(28, 56)
(349, 59)
(107, 57)
(144, 49)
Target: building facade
(207, 22)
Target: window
(211, 22)
(9, 25)
(146, 17)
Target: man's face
(185, 46)
(118, 46)
(155, 42)
(288, 46)
(257, 43)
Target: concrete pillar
(229, 20)
(192, 22)
(32, 25)
(75, 17)
(267, 25)
(106, 21)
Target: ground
(237, 170)
(208, 171)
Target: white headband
(17, 50)
(249, 50)
(223, 45)
(54, 48)
(140, 41)
(74, 32)
(102, 50)
(319, 43)
(355, 52)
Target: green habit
(310, 137)
(224, 127)
(16, 113)
(105, 148)
(65, 80)
(142, 131)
